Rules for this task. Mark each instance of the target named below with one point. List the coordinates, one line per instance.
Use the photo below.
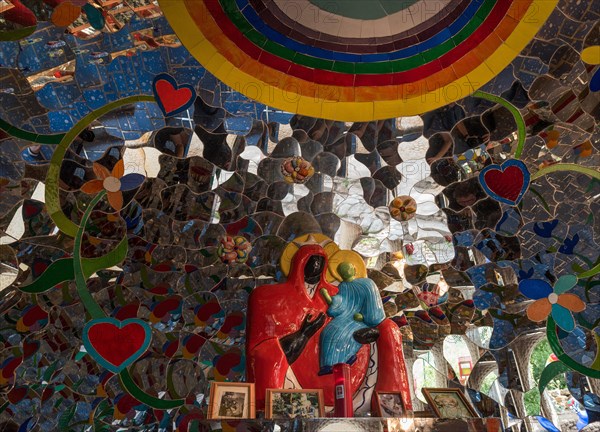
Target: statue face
(313, 269)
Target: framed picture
(5, 5)
(231, 400)
(449, 403)
(390, 404)
(292, 403)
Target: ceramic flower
(234, 249)
(403, 208)
(297, 170)
(555, 301)
(113, 182)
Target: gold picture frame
(449, 403)
(231, 401)
(294, 403)
(389, 404)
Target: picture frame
(231, 401)
(389, 404)
(449, 403)
(5, 5)
(294, 403)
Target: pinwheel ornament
(555, 301)
(114, 182)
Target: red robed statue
(284, 325)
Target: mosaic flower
(555, 301)
(297, 170)
(114, 182)
(234, 249)
(403, 208)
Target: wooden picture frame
(389, 404)
(294, 403)
(231, 401)
(449, 403)
(6, 5)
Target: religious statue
(285, 323)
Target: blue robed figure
(356, 306)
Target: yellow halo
(591, 55)
(346, 256)
(290, 250)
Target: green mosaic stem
(541, 198)
(80, 280)
(62, 270)
(132, 388)
(63, 223)
(593, 371)
(170, 383)
(550, 372)
(566, 167)
(521, 128)
(589, 273)
(30, 136)
(83, 268)
(115, 256)
(596, 362)
(96, 311)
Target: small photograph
(288, 404)
(390, 404)
(449, 403)
(230, 400)
(232, 404)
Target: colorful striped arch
(322, 60)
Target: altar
(355, 425)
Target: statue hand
(366, 335)
(309, 327)
(294, 343)
(326, 296)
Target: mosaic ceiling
(154, 181)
